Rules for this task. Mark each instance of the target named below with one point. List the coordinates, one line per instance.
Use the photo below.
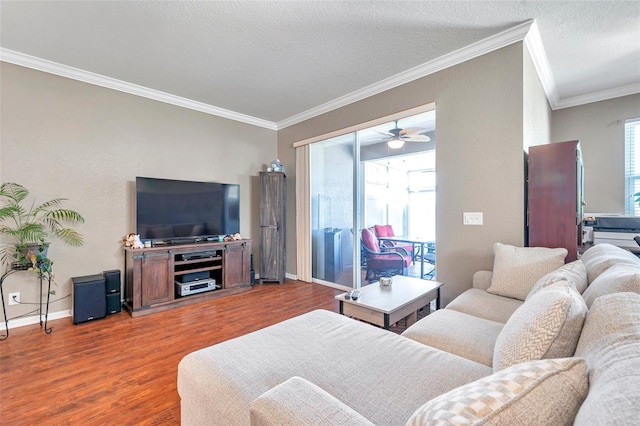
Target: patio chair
(430, 258)
(382, 261)
(387, 231)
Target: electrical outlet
(14, 298)
(472, 218)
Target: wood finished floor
(122, 370)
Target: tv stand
(151, 273)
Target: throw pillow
(383, 230)
(610, 344)
(548, 325)
(546, 392)
(616, 279)
(574, 272)
(517, 269)
(602, 256)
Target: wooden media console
(151, 274)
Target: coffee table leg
(412, 318)
(437, 300)
(342, 309)
(386, 321)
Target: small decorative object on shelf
(275, 166)
(133, 240)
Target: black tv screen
(169, 210)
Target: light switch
(472, 218)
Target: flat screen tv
(176, 210)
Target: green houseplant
(26, 225)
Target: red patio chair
(387, 231)
(382, 261)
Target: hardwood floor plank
(123, 370)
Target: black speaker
(114, 305)
(193, 276)
(89, 298)
(113, 280)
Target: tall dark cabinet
(273, 189)
(556, 196)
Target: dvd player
(194, 287)
(200, 255)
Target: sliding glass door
(332, 207)
(383, 174)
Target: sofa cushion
(546, 392)
(516, 269)
(482, 279)
(610, 343)
(457, 333)
(547, 325)
(574, 272)
(300, 402)
(481, 304)
(349, 359)
(601, 257)
(618, 278)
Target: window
(632, 165)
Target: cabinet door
(237, 258)
(555, 193)
(157, 278)
(272, 226)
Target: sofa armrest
(298, 401)
(482, 279)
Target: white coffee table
(384, 306)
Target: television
(175, 211)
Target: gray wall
(536, 110)
(599, 127)
(64, 138)
(480, 165)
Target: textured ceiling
(276, 59)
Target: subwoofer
(89, 298)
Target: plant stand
(16, 267)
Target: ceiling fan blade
(385, 133)
(413, 131)
(377, 140)
(417, 138)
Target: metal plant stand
(17, 267)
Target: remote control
(355, 294)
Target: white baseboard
(290, 276)
(35, 319)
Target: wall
(480, 165)
(64, 138)
(599, 127)
(536, 113)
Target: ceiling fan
(396, 137)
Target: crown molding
(482, 47)
(603, 95)
(44, 65)
(533, 42)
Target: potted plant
(25, 227)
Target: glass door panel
(332, 208)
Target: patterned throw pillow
(574, 272)
(517, 269)
(546, 392)
(548, 325)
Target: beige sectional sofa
(533, 342)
